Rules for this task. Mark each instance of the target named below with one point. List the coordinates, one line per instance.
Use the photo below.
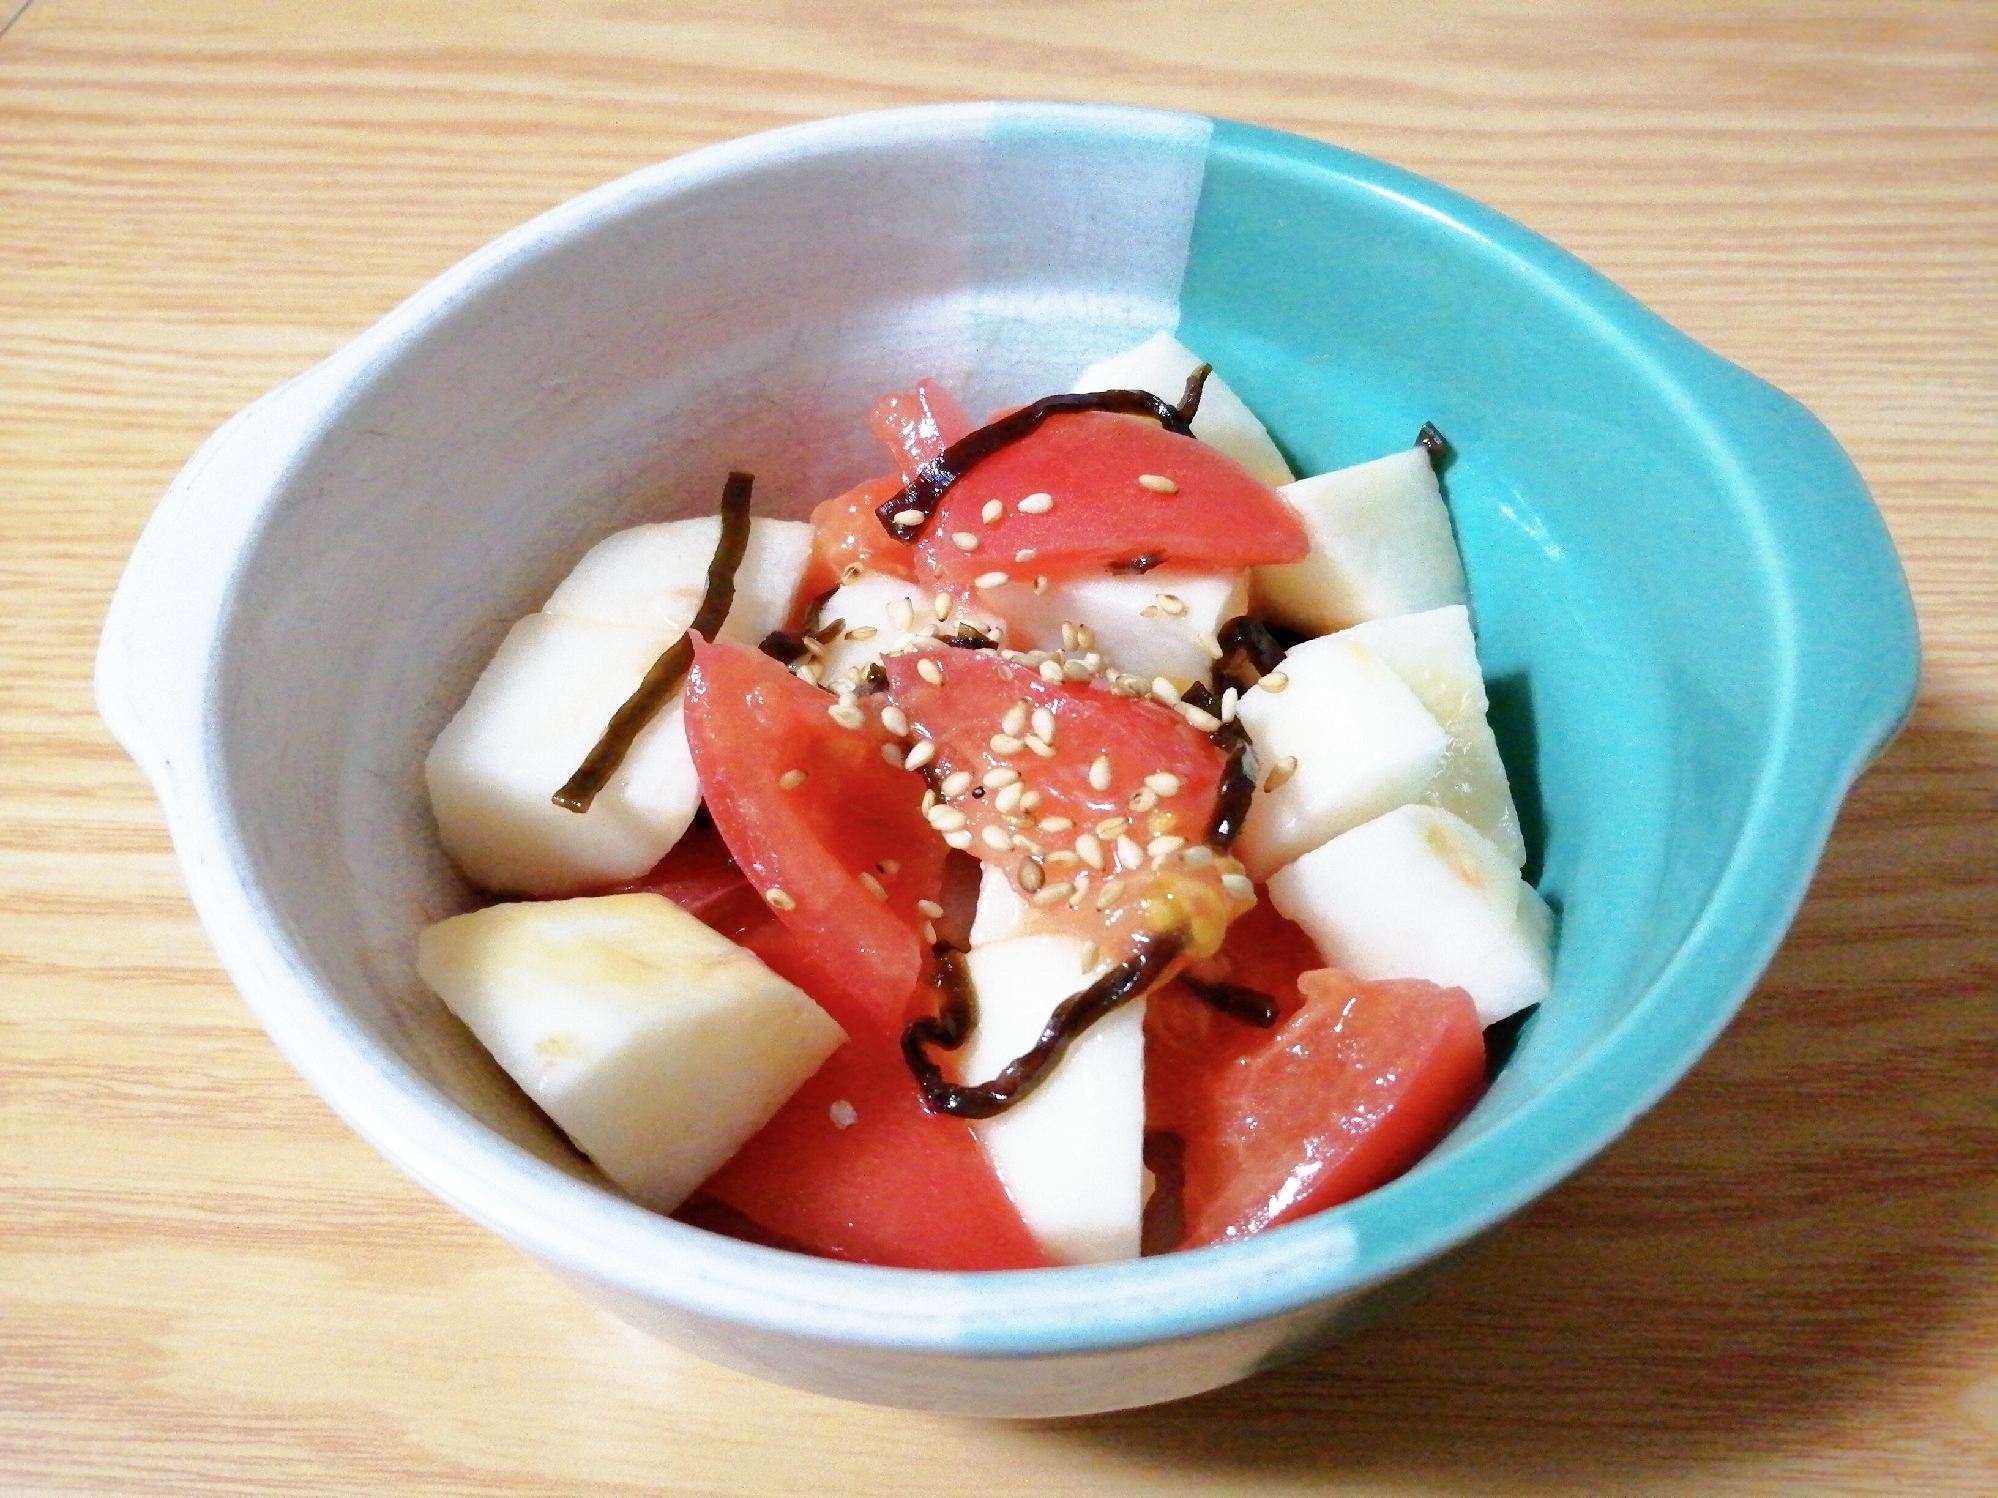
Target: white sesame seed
(1076, 671)
(1009, 798)
(956, 783)
(993, 511)
(1198, 856)
(1172, 604)
(1044, 722)
(1230, 700)
(1239, 885)
(873, 886)
(964, 540)
(843, 1114)
(1129, 854)
(920, 754)
(1029, 801)
(1031, 875)
(1040, 585)
(895, 720)
(902, 614)
(850, 573)
(929, 798)
(861, 632)
(941, 605)
(989, 580)
(1111, 826)
(1090, 851)
(778, 900)
(1050, 670)
(929, 929)
(1054, 893)
(891, 753)
(790, 780)
(1127, 686)
(814, 646)
(1149, 611)
(1165, 691)
(846, 714)
(1158, 483)
(1005, 743)
(960, 839)
(1108, 895)
(908, 518)
(1000, 775)
(1054, 824)
(1090, 957)
(945, 818)
(1040, 746)
(1276, 681)
(810, 671)
(1280, 773)
(995, 838)
(1025, 554)
(1037, 504)
(1027, 845)
(1206, 722)
(929, 908)
(930, 671)
(1164, 782)
(1143, 799)
(1015, 721)
(1061, 858)
(1099, 773)
(1161, 847)
(1209, 646)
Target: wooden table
(1783, 1281)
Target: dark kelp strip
(1238, 1001)
(933, 480)
(951, 1026)
(663, 680)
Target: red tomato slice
(916, 426)
(1137, 736)
(1090, 463)
(897, 1185)
(749, 722)
(846, 531)
(1346, 1094)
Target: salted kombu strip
(1249, 652)
(1137, 565)
(1432, 441)
(951, 1026)
(664, 679)
(1236, 1000)
(934, 478)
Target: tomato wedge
(1107, 478)
(917, 425)
(1351, 1090)
(813, 850)
(846, 532)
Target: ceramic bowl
(1694, 622)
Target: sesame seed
(1037, 504)
(1111, 826)
(1076, 671)
(1172, 604)
(1009, 798)
(941, 606)
(1050, 670)
(902, 614)
(790, 780)
(1127, 686)
(1165, 783)
(895, 720)
(1090, 956)
(1206, 722)
(1090, 851)
(1158, 483)
(1149, 611)
(1230, 700)
(929, 798)
(988, 580)
(1053, 893)
(846, 714)
(920, 754)
(1054, 824)
(1015, 721)
(1025, 554)
(891, 754)
(956, 783)
(1099, 773)
(850, 573)
(1143, 799)
(1040, 746)
(815, 647)
(1239, 885)
(1280, 773)
(1108, 895)
(1031, 875)
(929, 930)
(1085, 637)
(1061, 858)
(890, 866)
(1040, 585)
(1000, 775)
(811, 672)
(861, 632)
(1005, 743)
(1198, 856)
(1044, 723)
(843, 1114)
(1129, 854)
(960, 839)
(964, 540)
(909, 518)
(993, 511)
(996, 838)
(1163, 847)
(873, 886)
(778, 900)
(1165, 691)
(1030, 800)
(929, 908)
(1209, 646)
(1276, 681)
(945, 818)
(930, 671)
(1027, 845)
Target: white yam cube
(1161, 364)
(1152, 624)
(530, 721)
(1381, 545)
(1002, 910)
(1419, 893)
(1362, 743)
(1434, 653)
(658, 1045)
(1071, 1155)
(883, 614)
(654, 577)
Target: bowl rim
(586, 1230)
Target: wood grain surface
(1783, 1281)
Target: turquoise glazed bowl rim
(1849, 666)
